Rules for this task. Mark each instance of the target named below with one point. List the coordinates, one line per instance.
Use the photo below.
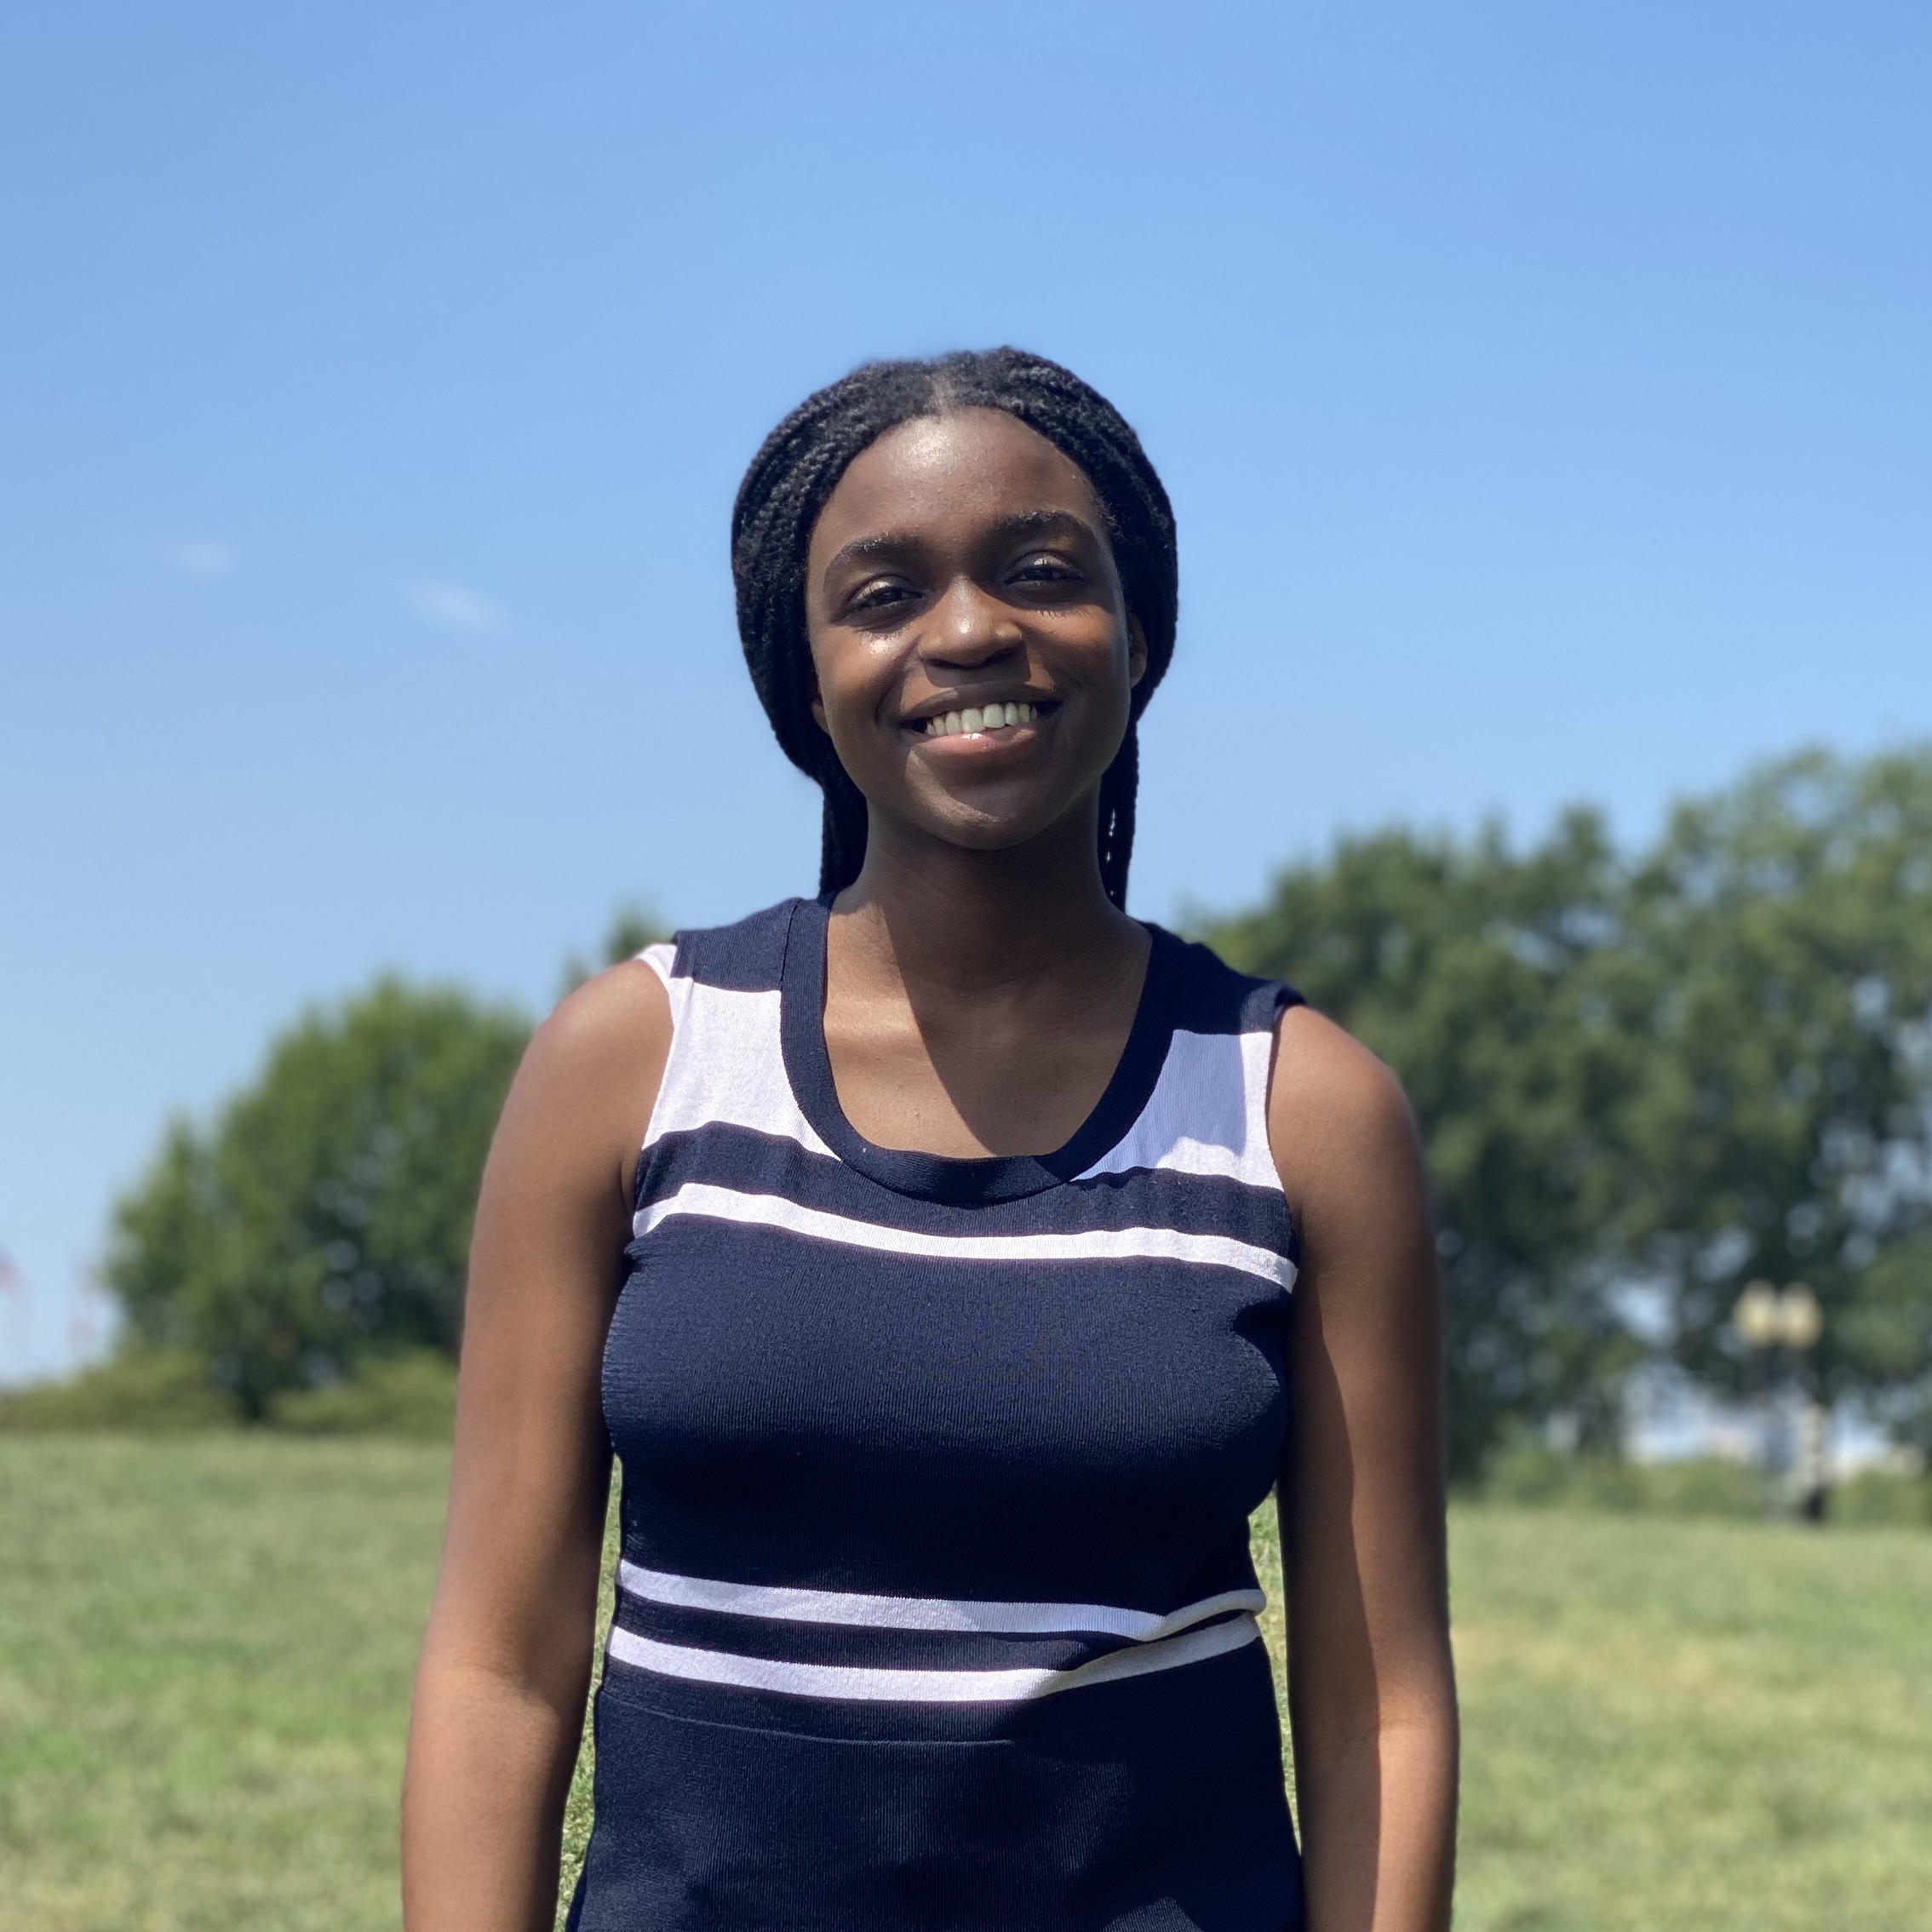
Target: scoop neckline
(941, 1177)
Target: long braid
(796, 472)
(1117, 790)
(842, 826)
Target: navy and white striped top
(936, 1608)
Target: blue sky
(1542, 388)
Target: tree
(1677, 1075)
(1499, 987)
(1787, 1121)
(325, 1215)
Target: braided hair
(795, 474)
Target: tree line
(1643, 1080)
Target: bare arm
(1371, 1682)
(506, 1662)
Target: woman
(989, 1257)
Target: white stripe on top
(726, 1065)
(923, 1613)
(1091, 1244)
(878, 1686)
(1207, 1113)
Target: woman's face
(960, 569)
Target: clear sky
(1543, 388)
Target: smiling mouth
(981, 721)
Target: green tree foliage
(1787, 1118)
(324, 1216)
(1499, 986)
(1673, 1075)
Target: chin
(985, 831)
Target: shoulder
(582, 1097)
(594, 1067)
(622, 1019)
(1327, 1081)
(1339, 1122)
(616, 1022)
(1340, 1126)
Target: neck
(931, 913)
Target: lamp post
(1782, 1326)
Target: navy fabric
(860, 1452)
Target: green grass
(206, 1643)
(1711, 1725)
(205, 1652)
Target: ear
(1136, 651)
(818, 705)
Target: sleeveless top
(935, 1608)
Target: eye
(880, 594)
(1044, 567)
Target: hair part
(792, 478)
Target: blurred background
(1543, 394)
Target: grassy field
(205, 1648)
(206, 1652)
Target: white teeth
(973, 719)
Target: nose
(967, 627)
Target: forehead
(952, 474)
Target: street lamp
(1784, 1325)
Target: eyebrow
(1022, 523)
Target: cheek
(851, 674)
(849, 679)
